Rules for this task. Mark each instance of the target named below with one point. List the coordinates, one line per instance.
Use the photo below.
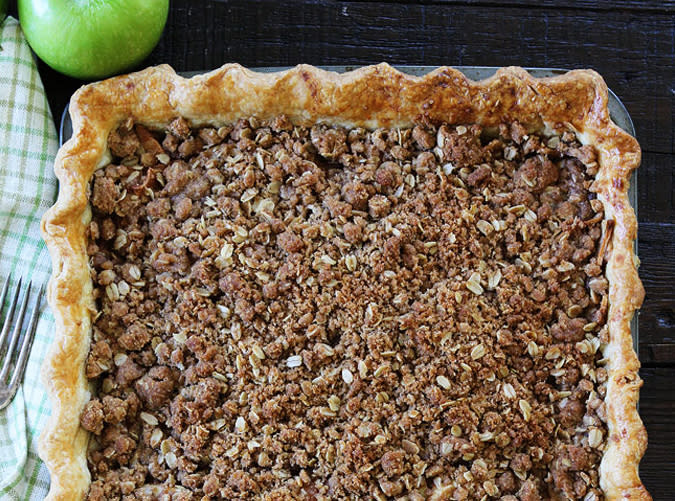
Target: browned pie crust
(375, 96)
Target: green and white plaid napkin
(28, 145)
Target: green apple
(91, 39)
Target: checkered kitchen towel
(28, 145)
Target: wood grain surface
(630, 42)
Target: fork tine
(15, 335)
(5, 287)
(10, 313)
(26, 344)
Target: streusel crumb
(321, 313)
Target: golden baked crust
(369, 97)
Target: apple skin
(92, 39)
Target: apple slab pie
(307, 285)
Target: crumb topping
(322, 313)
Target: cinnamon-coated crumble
(322, 313)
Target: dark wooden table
(630, 42)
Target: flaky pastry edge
(372, 96)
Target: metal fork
(12, 359)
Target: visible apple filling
(321, 313)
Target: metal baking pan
(617, 112)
